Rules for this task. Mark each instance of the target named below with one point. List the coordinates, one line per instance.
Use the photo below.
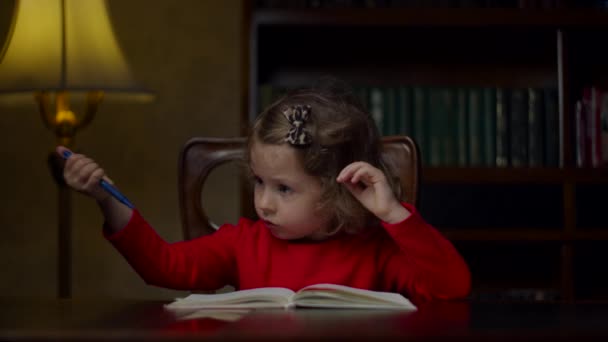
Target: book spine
(462, 127)
(377, 108)
(604, 127)
(519, 128)
(436, 126)
(586, 128)
(404, 110)
(390, 115)
(535, 128)
(474, 126)
(596, 129)
(489, 126)
(362, 94)
(551, 128)
(421, 122)
(449, 123)
(579, 134)
(502, 128)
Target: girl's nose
(265, 203)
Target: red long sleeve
(409, 257)
(435, 269)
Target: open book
(313, 296)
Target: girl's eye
(257, 180)
(284, 189)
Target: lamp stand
(65, 124)
(64, 228)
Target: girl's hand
(369, 186)
(83, 174)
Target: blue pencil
(108, 187)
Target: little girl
(327, 207)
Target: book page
(331, 295)
(269, 297)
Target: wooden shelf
(524, 235)
(432, 17)
(470, 175)
(540, 210)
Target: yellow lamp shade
(58, 45)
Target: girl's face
(286, 197)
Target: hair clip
(297, 116)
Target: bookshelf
(530, 232)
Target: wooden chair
(200, 156)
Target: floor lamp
(57, 49)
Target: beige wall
(189, 53)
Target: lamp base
(64, 224)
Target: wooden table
(441, 321)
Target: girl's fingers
(84, 174)
(347, 172)
(79, 161)
(360, 172)
(73, 163)
(348, 176)
(80, 170)
(361, 175)
(368, 175)
(94, 178)
(87, 171)
(344, 174)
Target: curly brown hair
(342, 132)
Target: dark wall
(188, 52)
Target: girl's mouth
(270, 225)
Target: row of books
(466, 126)
(591, 118)
(530, 4)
